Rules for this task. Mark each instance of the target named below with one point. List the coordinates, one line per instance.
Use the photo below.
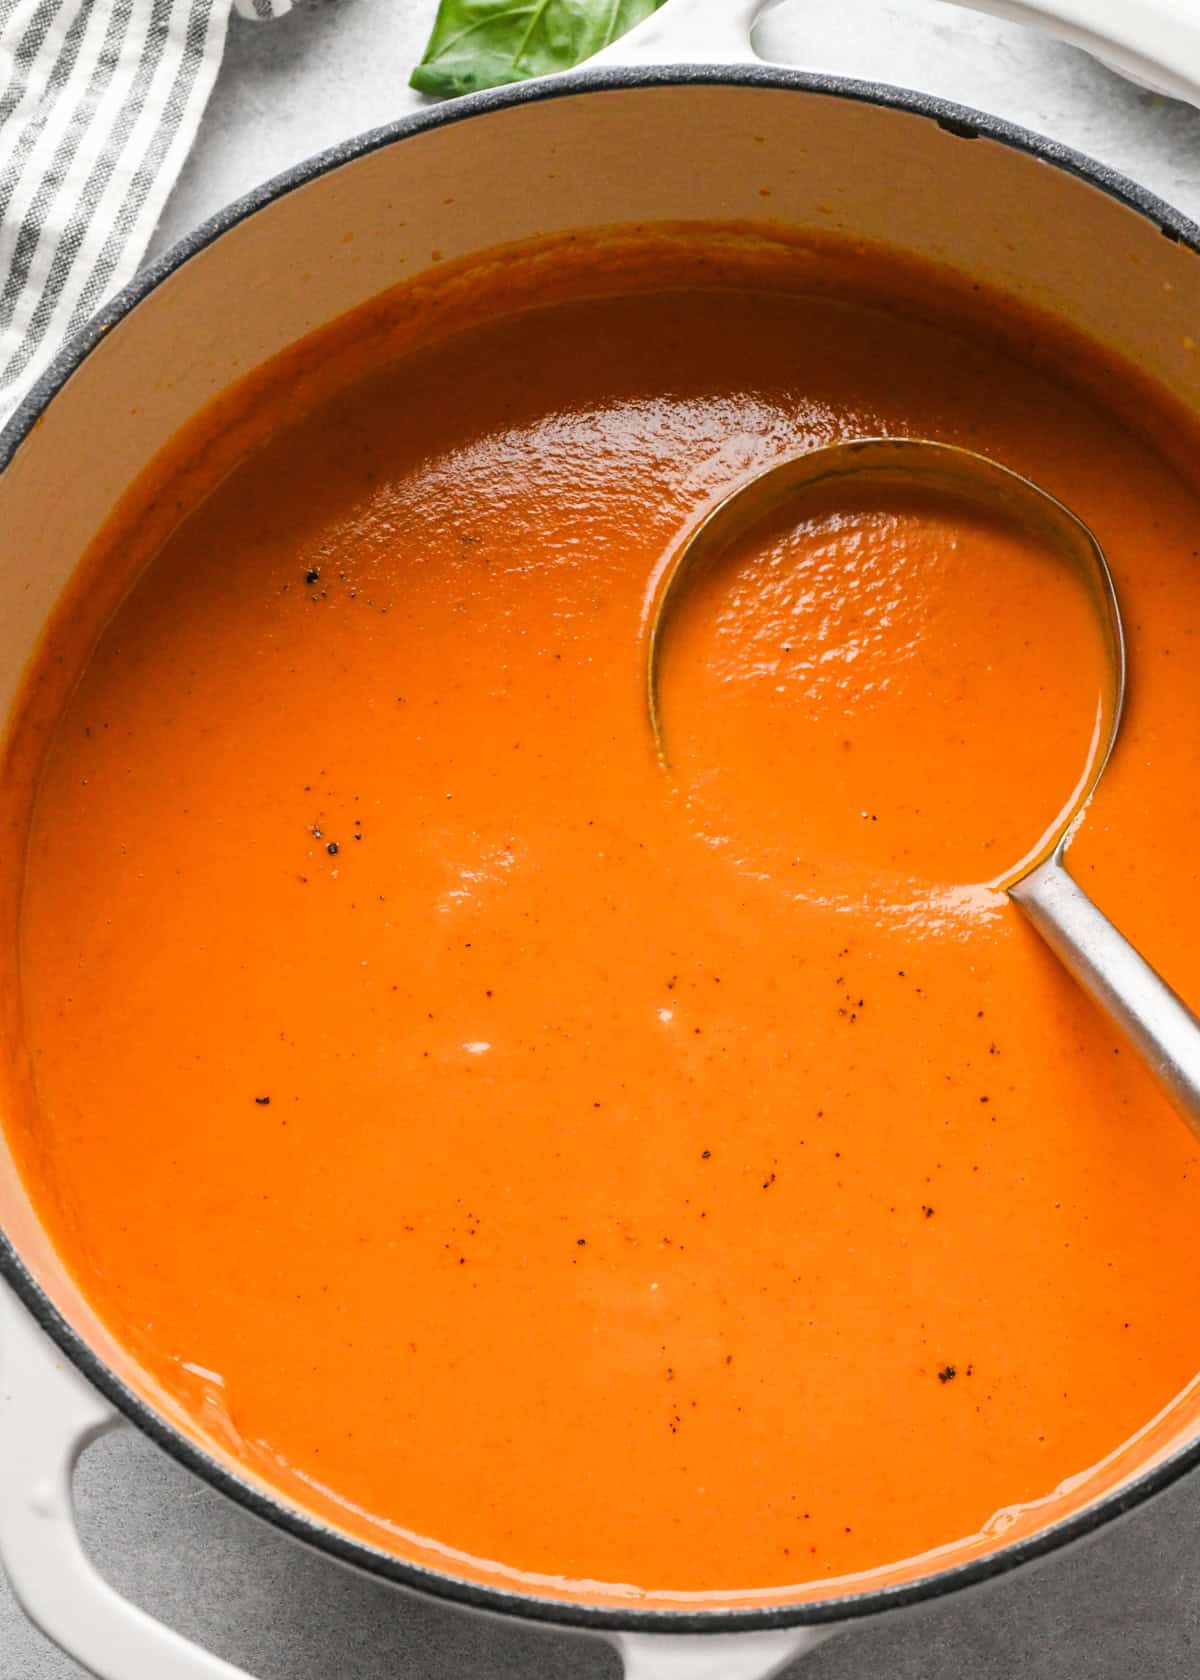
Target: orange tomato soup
(695, 1180)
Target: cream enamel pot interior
(611, 144)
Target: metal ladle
(1150, 1014)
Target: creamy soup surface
(697, 1179)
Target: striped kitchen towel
(99, 103)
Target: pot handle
(688, 32)
(48, 1415)
(1155, 42)
(715, 1656)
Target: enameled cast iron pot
(619, 142)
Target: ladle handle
(1152, 1016)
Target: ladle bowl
(1159, 1024)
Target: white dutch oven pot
(614, 143)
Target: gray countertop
(1127, 1604)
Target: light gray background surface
(1124, 1607)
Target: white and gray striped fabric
(99, 104)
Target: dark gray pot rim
(955, 119)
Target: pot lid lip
(957, 120)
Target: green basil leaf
(486, 43)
